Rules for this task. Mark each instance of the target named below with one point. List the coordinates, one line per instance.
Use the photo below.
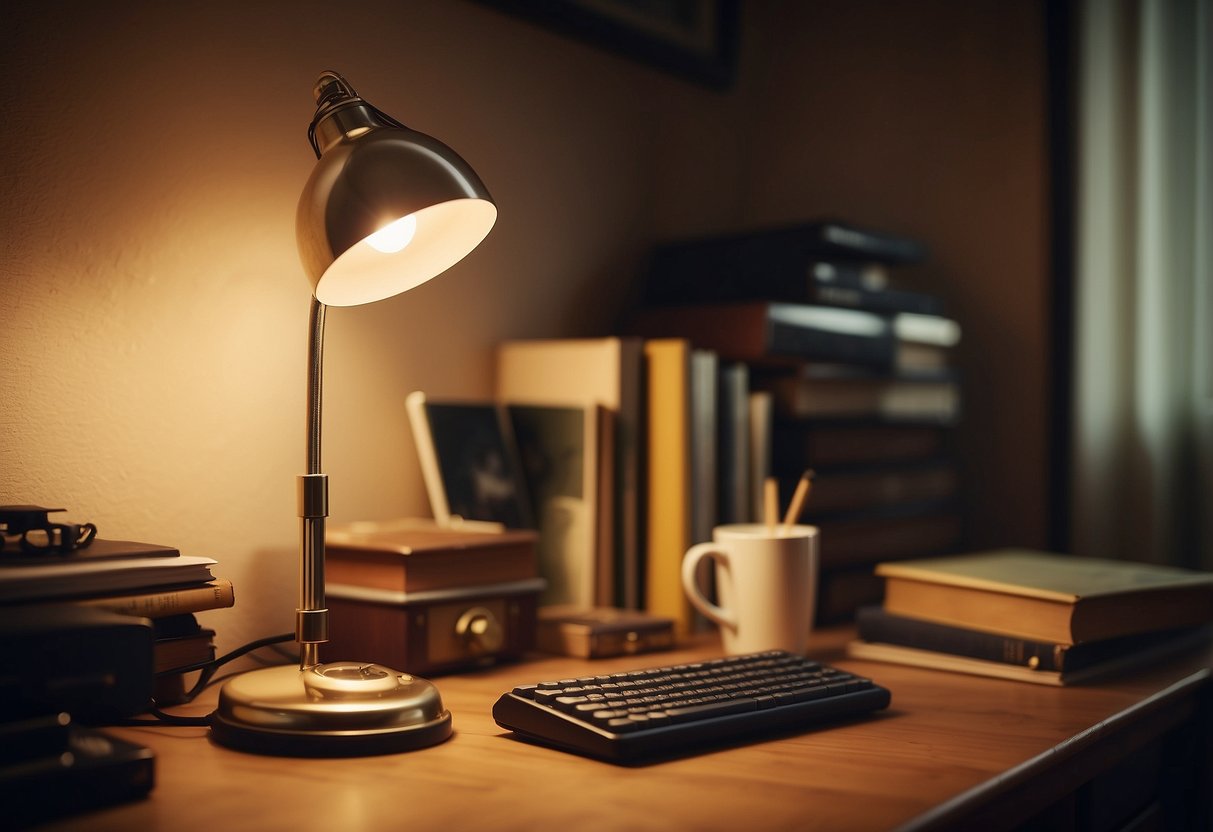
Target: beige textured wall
(153, 313)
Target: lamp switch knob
(480, 630)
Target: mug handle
(690, 566)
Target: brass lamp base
(338, 709)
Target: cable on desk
(205, 680)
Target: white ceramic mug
(766, 580)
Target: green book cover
(1064, 578)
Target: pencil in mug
(770, 503)
(799, 497)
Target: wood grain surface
(951, 751)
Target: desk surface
(952, 749)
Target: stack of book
(137, 579)
(677, 456)
(823, 364)
(1033, 616)
(748, 356)
(601, 379)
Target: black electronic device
(661, 711)
(92, 663)
(50, 768)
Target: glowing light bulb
(394, 236)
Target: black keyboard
(662, 711)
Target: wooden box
(427, 599)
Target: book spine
(783, 250)
(850, 285)
(669, 484)
(853, 442)
(839, 492)
(880, 300)
(777, 333)
(214, 595)
(865, 340)
(873, 245)
(875, 624)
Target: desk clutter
(563, 508)
(59, 601)
(747, 356)
(95, 631)
(1033, 616)
(807, 349)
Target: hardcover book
(170, 601)
(762, 432)
(602, 371)
(98, 549)
(804, 396)
(705, 450)
(564, 453)
(175, 653)
(62, 579)
(1144, 649)
(823, 443)
(783, 253)
(876, 624)
(857, 285)
(733, 442)
(668, 476)
(841, 491)
(775, 333)
(1046, 596)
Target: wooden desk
(952, 752)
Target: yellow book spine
(669, 473)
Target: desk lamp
(385, 209)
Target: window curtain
(1142, 438)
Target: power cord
(205, 680)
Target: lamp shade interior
(442, 236)
(384, 210)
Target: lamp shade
(386, 208)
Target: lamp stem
(311, 618)
(315, 383)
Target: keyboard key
(711, 709)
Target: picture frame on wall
(694, 39)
